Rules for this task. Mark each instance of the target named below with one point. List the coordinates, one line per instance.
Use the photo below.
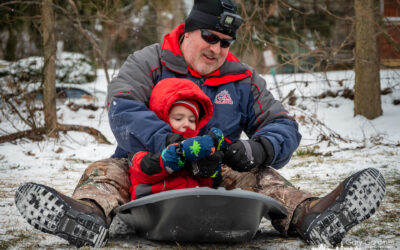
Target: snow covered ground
(335, 144)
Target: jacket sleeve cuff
(268, 149)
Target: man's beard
(211, 54)
(207, 68)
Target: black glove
(173, 138)
(244, 155)
(209, 166)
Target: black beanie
(206, 14)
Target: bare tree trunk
(11, 45)
(49, 69)
(367, 99)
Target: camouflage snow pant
(107, 182)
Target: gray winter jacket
(240, 99)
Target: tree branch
(39, 132)
(90, 39)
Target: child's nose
(185, 123)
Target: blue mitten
(202, 146)
(172, 159)
(218, 137)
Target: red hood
(169, 90)
(232, 70)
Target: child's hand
(172, 159)
(202, 146)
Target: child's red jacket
(147, 173)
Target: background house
(389, 39)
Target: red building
(389, 38)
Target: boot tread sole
(45, 210)
(360, 198)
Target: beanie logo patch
(223, 97)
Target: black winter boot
(52, 212)
(326, 220)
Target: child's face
(181, 118)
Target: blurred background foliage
(304, 35)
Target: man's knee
(112, 170)
(107, 176)
(234, 179)
(106, 182)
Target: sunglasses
(213, 39)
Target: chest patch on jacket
(223, 97)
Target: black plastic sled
(200, 215)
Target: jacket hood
(172, 58)
(170, 90)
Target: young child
(186, 163)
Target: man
(199, 50)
